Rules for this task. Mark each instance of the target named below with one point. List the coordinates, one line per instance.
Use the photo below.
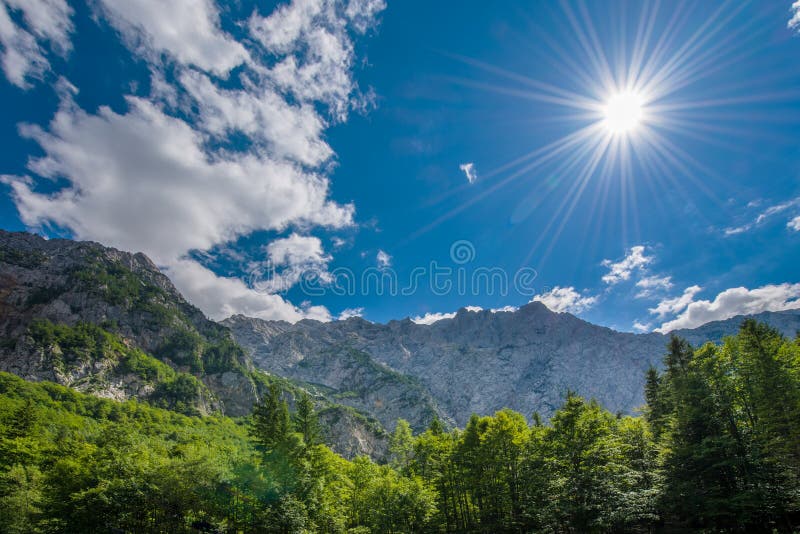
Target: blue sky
(263, 154)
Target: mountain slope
(110, 323)
(86, 312)
(478, 362)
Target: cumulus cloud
(23, 47)
(347, 313)
(291, 131)
(469, 171)
(220, 297)
(622, 270)
(383, 259)
(794, 224)
(565, 299)
(297, 250)
(736, 301)
(676, 304)
(187, 30)
(142, 181)
(150, 179)
(650, 285)
(288, 260)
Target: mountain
(111, 324)
(476, 362)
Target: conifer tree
(270, 423)
(305, 420)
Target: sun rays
(631, 99)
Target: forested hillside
(717, 448)
(109, 323)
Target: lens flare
(623, 112)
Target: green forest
(715, 448)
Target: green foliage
(75, 463)
(146, 367)
(401, 446)
(21, 258)
(305, 420)
(85, 341)
(731, 432)
(181, 393)
(270, 422)
(718, 449)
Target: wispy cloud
(794, 224)
(651, 285)
(383, 259)
(27, 29)
(763, 216)
(621, 270)
(642, 327)
(794, 22)
(469, 171)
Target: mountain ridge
(148, 342)
(482, 361)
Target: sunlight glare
(623, 112)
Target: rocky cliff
(476, 362)
(110, 323)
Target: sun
(623, 112)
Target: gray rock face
(476, 362)
(363, 376)
(69, 282)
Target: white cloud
(221, 297)
(794, 224)
(312, 34)
(146, 180)
(794, 22)
(469, 171)
(362, 13)
(430, 318)
(504, 309)
(565, 299)
(347, 313)
(297, 250)
(292, 131)
(46, 23)
(736, 230)
(676, 304)
(736, 301)
(641, 327)
(187, 30)
(763, 216)
(290, 259)
(622, 270)
(142, 181)
(650, 285)
(383, 259)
